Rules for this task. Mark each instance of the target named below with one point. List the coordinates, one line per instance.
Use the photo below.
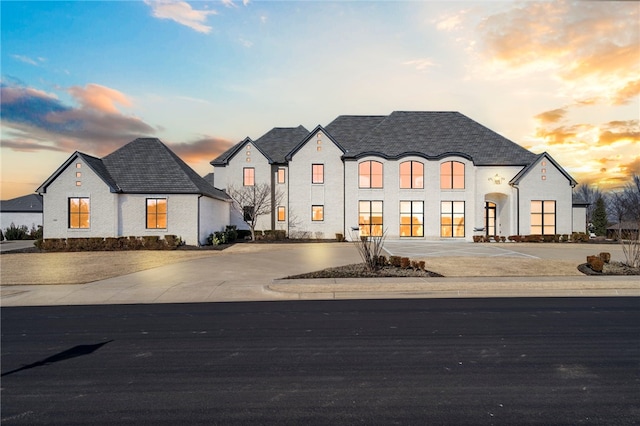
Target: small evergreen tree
(600, 217)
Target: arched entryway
(494, 212)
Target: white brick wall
(303, 194)
(55, 204)
(214, 216)
(554, 187)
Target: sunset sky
(562, 77)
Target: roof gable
(223, 159)
(522, 173)
(311, 134)
(94, 163)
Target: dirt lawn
(500, 267)
(85, 267)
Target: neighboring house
(422, 175)
(580, 207)
(21, 211)
(629, 229)
(141, 189)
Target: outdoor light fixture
(497, 179)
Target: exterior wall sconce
(497, 179)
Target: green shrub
(231, 233)
(1, 235)
(173, 241)
(14, 232)
(151, 242)
(382, 260)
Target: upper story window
(370, 174)
(317, 173)
(282, 175)
(412, 175)
(79, 212)
(156, 213)
(452, 175)
(249, 176)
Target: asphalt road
(435, 361)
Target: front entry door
(490, 218)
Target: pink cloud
(100, 98)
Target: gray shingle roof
(429, 134)
(146, 165)
(277, 142)
(432, 134)
(31, 203)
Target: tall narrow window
(281, 213)
(412, 175)
(248, 176)
(370, 218)
(452, 219)
(281, 175)
(317, 173)
(317, 213)
(156, 213)
(370, 174)
(79, 212)
(543, 217)
(452, 175)
(411, 218)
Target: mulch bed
(359, 270)
(612, 268)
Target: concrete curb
(383, 288)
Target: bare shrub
(370, 249)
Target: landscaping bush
(134, 243)
(548, 238)
(35, 233)
(395, 261)
(112, 244)
(172, 241)
(243, 234)
(1, 235)
(405, 262)
(477, 238)
(606, 257)
(14, 232)
(231, 233)
(339, 237)
(382, 260)
(422, 265)
(595, 263)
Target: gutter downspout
(517, 207)
(198, 227)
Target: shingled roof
(31, 203)
(275, 145)
(432, 135)
(146, 166)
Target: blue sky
(558, 76)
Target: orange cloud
(632, 168)
(590, 46)
(552, 116)
(205, 149)
(616, 131)
(99, 97)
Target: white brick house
(417, 175)
(141, 189)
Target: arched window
(452, 175)
(412, 175)
(370, 174)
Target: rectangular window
(281, 175)
(249, 176)
(543, 217)
(247, 214)
(411, 175)
(317, 173)
(370, 218)
(156, 213)
(411, 218)
(281, 214)
(317, 213)
(79, 212)
(452, 219)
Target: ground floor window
(317, 213)
(79, 212)
(370, 218)
(452, 219)
(281, 214)
(490, 218)
(411, 218)
(156, 213)
(543, 217)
